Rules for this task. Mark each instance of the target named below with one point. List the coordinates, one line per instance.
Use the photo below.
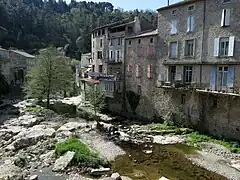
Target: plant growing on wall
(133, 99)
(51, 76)
(96, 98)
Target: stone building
(15, 64)
(198, 64)
(108, 56)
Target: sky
(136, 4)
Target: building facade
(198, 65)
(15, 64)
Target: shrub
(83, 155)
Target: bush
(83, 155)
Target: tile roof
(23, 54)
(182, 3)
(144, 34)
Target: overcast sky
(136, 4)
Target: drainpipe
(124, 109)
(203, 40)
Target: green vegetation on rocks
(84, 156)
(195, 138)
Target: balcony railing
(114, 61)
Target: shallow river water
(165, 160)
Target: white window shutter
(231, 46)
(174, 27)
(223, 18)
(116, 53)
(227, 17)
(192, 23)
(216, 47)
(189, 24)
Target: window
(139, 90)
(93, 68)
(187, 71)
(172, 73)
(119, 41)
(190, 24)
(93, 55)
(138, 70)
(222, 76)
(226, 1)
(129, 42)
(174, 11)
(100, 68)
(191, 8)
(99, 55)
(173, 50)
(189, 48)
(101, 42)
(224, 46)
(111, 54)
(110, 70)
(118, 55)
(151, 40)
(111, 42)
(149, 71)
(183, 99)
(225, 17)
(174, 27)
(93, 44)
(139, 41)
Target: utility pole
(168, 2)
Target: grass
(84, 156)
(34, 109)
(165, 129)
(195, 138)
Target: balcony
(114, 61)
(113, 88)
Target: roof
(144, 34)
(182, 3)
(126, 20)
(23, 54)
(122, 24)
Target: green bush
(83, 155)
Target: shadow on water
(165, 160)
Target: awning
(90, 81)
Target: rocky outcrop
(70, 126)
(10, 172)
(31, 136)
(62, 162)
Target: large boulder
(31, 136)
(29, 120)
(62, 162)
(70, 126)
(10, 172)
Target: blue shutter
(230, 77)
(213, 78)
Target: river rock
(62, 162)
(126, 178)
(116, 176)
(31, 136)
(70, 126)
(175, 139)
(163, 178)
(10, 172)
(29, 120)
(33, 177)
(100, 172)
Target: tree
(96, 98)
(50, 77)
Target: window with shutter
(129, 68)
(231, 46)
(137, 70)
(174, 27)
(129, 53)
(216, 47)
(149, 73)
(190, 24)
(173, 50)
(225, 17)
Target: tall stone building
(108, 55)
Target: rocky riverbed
(28, 137)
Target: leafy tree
(51, 76)
(96, 98)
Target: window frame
(225, 49)
(170, 50)
(188, 74)
(186, 48)
(223, 74)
